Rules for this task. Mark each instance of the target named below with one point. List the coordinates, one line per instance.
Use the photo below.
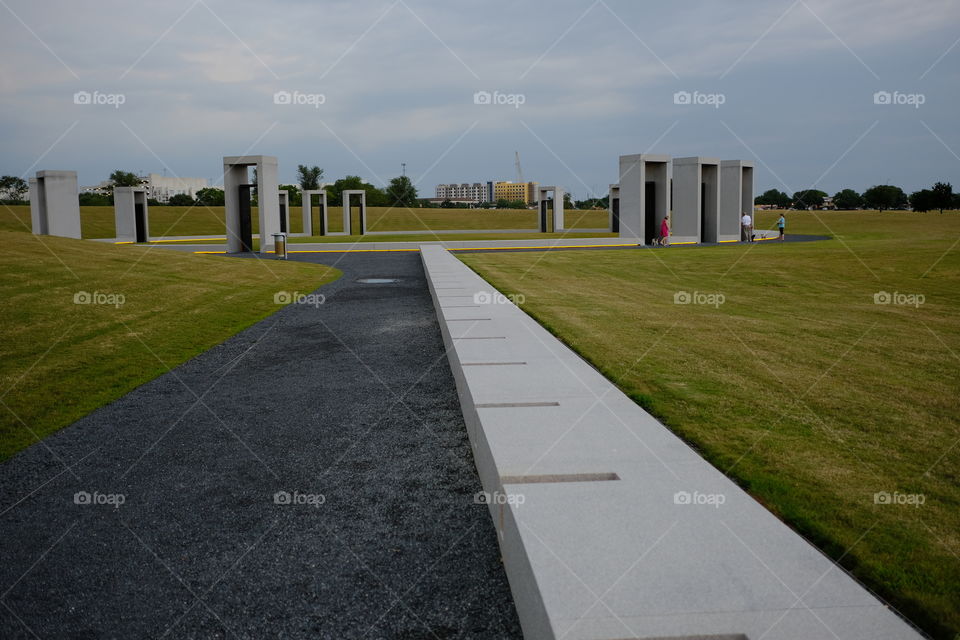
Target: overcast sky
(788, 84)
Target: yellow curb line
(564, 246)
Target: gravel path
(347, 409)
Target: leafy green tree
(95, 200)
(591, 203)
(923, 200)
(309, 177)
(808, 198)
(773, 198)
(295, 197)
(120, 178)
(942, 195)
(210, 197)
(401, 192)
(375, 197)
(848, 199)
(885, 196)
(180, 200)
(13, 188)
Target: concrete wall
(235, 173)
(613, 208)
(696, 200)
(736, 197)
(635, 172)
(307, 208)
(557, 214)
(125, 200)
(55, 204)
(347, 219)
(283, 201)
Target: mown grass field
(98, 222)
(60, 360)
(798, 386)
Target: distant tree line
(881, 197)
(401, 192)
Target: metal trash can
(280, 245)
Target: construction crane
(519, 170)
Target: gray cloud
(398, 78)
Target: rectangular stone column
(613, 208)
(644, 195)
(234, 175)
(131, 214)
(696, 200)
(736, 197)
(55, 204)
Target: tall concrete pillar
(131, 214)
(236, 181)
(557, 214)
(284, 204)
(55, 204)
(307, 209)
(696, 200)
(613, 208)
(644, 195)
(347, 219)
(736, 197)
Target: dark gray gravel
(352, 400)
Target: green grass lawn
(798, 386)
(60, 360)
(98, 222)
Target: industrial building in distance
(477, 192)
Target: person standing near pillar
(746, 222)
(664, 232)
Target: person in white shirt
(747, 223)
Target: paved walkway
(610, 525)
(350, 403)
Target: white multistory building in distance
(475, 192)
(162, 187)
(159, 187)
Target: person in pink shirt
(664, 232)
